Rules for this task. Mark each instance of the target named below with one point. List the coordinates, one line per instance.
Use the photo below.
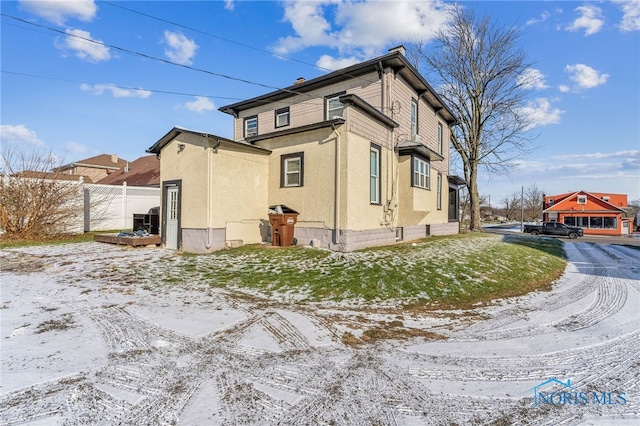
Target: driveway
(86, 339)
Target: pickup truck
(554, 228)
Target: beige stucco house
(361, 153)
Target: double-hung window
(333, 106)
(282, 117)
(440, 143)
(439, 189)
(292, 169)
(414, 118)
(374, 174)
(420, 173)
(251, 126)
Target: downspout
(336, 211)
(210, 151)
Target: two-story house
(361, 153)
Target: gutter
(336, 210)
(211, 149)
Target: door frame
(165, 186)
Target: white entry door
(171, 240)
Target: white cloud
(75, 148)
(541, 113)
(57, 11)
(631, 15)
(630, 154)
(585, 76)
(532, 79)
(79, 41)
(180, 49)
(564, 88)
(590, 20)
(366, 26)
(116, 92)
(19, 134)
(228, 4)
(327, 62)
(202, 103)
(543, 17)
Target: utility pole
(522, 209)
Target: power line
(237, 43)
(166, 61)
(167, 92)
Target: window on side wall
(292, 170)
(374, 174)
(333, 106)
(440, 143)
(439, 189)
(282, 117)
(420, 173)
(251, 126)
(414, 118)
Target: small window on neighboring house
(439, 189)
(374, 174)
(605, 198)
(282, 117)
(333, 106)
(420, 173)
(582, 199)
(550, 201)
(292, 169)
(440, 143)
(250, 126)
(414, 118)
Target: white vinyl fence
(109, 207)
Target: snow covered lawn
(88, 337)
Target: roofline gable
(394, 60)
(156, 148)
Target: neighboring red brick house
(597, 213)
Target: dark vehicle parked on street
(554, 228)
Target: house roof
(173, 133)
(53, 175)
(102, 161)
(408, 147)
(567, 203)
(394, 60)
(145, 171)
(294, 130)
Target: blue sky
(81, 99)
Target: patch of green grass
(459, 270)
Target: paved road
(632, 240)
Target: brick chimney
(114, 158)
(299, 80)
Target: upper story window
(414, 118)
(582, 199)
(440, 142)
(282, 117)
(333, 106)
(251, 126)
(292, 169)
(421, 173)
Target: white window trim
(414, 118)
(440, 139)
(288, 173)
(246, 122)
(418, 175)
(329, 111)
(374, 196)
(439, 195)
(283, 113)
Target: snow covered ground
(88, 338)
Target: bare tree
(482, 72)
(511, 205)
(36, 203)
(533, 203)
